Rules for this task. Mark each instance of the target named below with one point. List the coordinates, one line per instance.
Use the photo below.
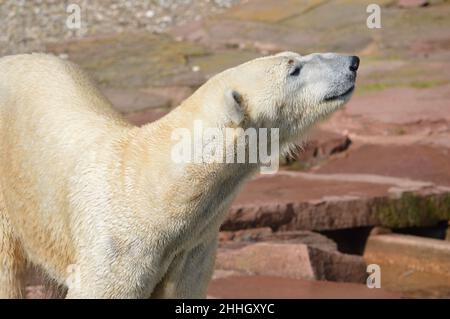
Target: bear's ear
(233, 106)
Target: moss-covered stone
(271, 11)
(413, 210)
(132, 60)
(219, 61)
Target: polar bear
(83, 193)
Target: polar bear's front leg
(189, 273)
(12, 261)
(122, 278)
(109, 287)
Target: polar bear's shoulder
(38, 59)
(39, 67)
(48, 82)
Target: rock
(380, 231)
(137, 100)
(217, 62)
(417, 162)
(146, 116)
(237, 239)
(44, 291)
(422, 254)
(304, 255)
(319, 146)
(138, 60)
(270, 287)
(220, 273)
(28, 26)
(226, 236)
(402, 105)
(129, 101)
(325, 143)
(412, 3)
(245, 234)
(305, 201)
(218, 34)
(38, 286)
(447, 236)
(35, 292)
(415, 266)
(268, 11)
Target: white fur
(79, 185)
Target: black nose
(354, 63)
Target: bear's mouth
(334, 97)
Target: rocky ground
(27, 25)
(373, 183)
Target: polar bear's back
(52, 119)
(53, 100)
(52, 84)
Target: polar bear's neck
(201, 190)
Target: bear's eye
(295, 72)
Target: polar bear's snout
(354, 63)
(329, 77)
(342, 82)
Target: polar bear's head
(287, 90)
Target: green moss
(298, 166)
(373, 87)
(132, 60)
(424, 84)
(380, 86)
(219, 61)
(399, 131)
(413, 210)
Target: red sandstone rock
(319, 145)
(412, 3)
(326, 143)
(278, 287)
(447, 236)
(418, 162)
(415, 266)
(129, 101)
(421, 254)
(245, 235)
(305, 201)
(402, 105)
(144, 117)
(292, 254)
(219, 34)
